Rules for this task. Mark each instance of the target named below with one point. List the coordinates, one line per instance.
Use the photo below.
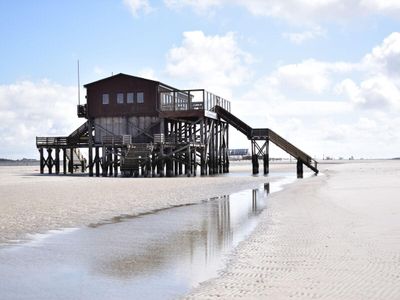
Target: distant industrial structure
(143, 127)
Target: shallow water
(155, 256)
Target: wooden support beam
(57, 160)
(189, 162)
(110, 161)
(104, 162)
(71, 160)
(115, 162)
(41, 161)
(266, 158)
(97, 161)
(254, 157)
(90, 149)
(299, 168)
(169, 163)
(49, 160)
(65, 161)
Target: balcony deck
(190, 104)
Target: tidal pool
(161, 255)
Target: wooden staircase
(267, 134)
(137, 155)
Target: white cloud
(378, 92)
(215, 62)
(309, 75)
(385, 57)
(136, 6)
(391, 7)
(29, 109)
(198, 6)
(307, 35)
(301, 11)
(334, 108)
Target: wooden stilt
(71, 160)
(65, 170)
(57, 160)
(49, 160)
(115, 162)
(97, 161)
(41, 161)
(266, 158)
(299, 169)
(90, 149)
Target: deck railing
(185, 100)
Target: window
(129, 97)
(140, 97)
(120, 98)
(106, 99)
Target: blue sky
(324, 74)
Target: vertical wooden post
(189, 162)
(160, 167)
(97, 161)
(71, 160)
(211, 150)
(266, 157)
(180, 166)
(115, 162)
(65, 160)
(220, 152)
(227, 148)
(41, 161)
(254, 157)
(57, 160)
(169, 163)
(110, 161)
(90, 131)
(49, 160)
(153, 164)
(299, 168)
(104, 162)
(203, 148)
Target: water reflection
(160, 255)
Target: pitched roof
(119, 75)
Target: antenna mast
(79, 87)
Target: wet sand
(328, 237)
(33, 203)
(335, 236)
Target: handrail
(233, 120)
(184, 100)
(265, 133)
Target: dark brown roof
(129, 76)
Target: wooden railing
(51, 141)
(184, 100)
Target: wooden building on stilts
(140, 127)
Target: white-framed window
(120, 98)
(106, 98)
(140, 97)
(129, 97)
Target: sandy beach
(333, 236)
(34, 203)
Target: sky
(325, 74)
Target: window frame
(105, 98)
(133, 97)
(137, 97)
(118, 98)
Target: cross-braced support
(260, 152)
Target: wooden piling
(299, 168)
